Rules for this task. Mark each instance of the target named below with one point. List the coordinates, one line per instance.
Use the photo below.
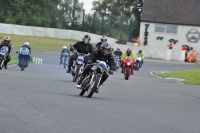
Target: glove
(89, 62)
(110, 72)
(71, 49)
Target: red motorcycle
(128, 67)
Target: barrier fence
(38, 61)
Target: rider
(64, 50)
(6, 42)
(27, 45)
(118, 52)
(125, 54)
(103, 39)
(103, 54)
(26, 53)
(82, 47)
(140, 53)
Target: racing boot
(68, 70)
(5, 66)
(97, 90)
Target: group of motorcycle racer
(102, 51)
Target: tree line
(108, 16)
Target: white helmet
(26, 43)
(64, 47)
(103, 38)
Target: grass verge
(14, 60)
(190, 76)
(41, 44)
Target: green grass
(41, 44)
(14, 60)
(190, 76)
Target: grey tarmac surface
(43, 99)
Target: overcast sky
(87, 5)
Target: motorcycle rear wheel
(22, 64)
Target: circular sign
(193, 36)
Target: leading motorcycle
(3, 54)
(92, 80)
(128, 67)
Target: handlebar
(75, 51)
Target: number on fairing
(102, 65)
(4, 50)
(24, 51)
(80, 60)
(117, 58)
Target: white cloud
(87, 5)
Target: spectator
(171, 46)
(138, 41)
(192, 57)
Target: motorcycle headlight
(128, 63)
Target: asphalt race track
(43, 99)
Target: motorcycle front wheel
(1, 63)
(137, 66)
(127, 70)
(94, 86)
(76, 74)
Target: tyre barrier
(36, 60)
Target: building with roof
(164, 20)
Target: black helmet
(105, 45)
(86, 37)
(140, 50)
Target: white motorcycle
(3, 54)
(117, 63)
(138, 62)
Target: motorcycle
(78, 65)
(128, 67)
(3, 54)
(23, 57)
(117, 63)
(92, 80)
(138, 63)
(65, 59)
